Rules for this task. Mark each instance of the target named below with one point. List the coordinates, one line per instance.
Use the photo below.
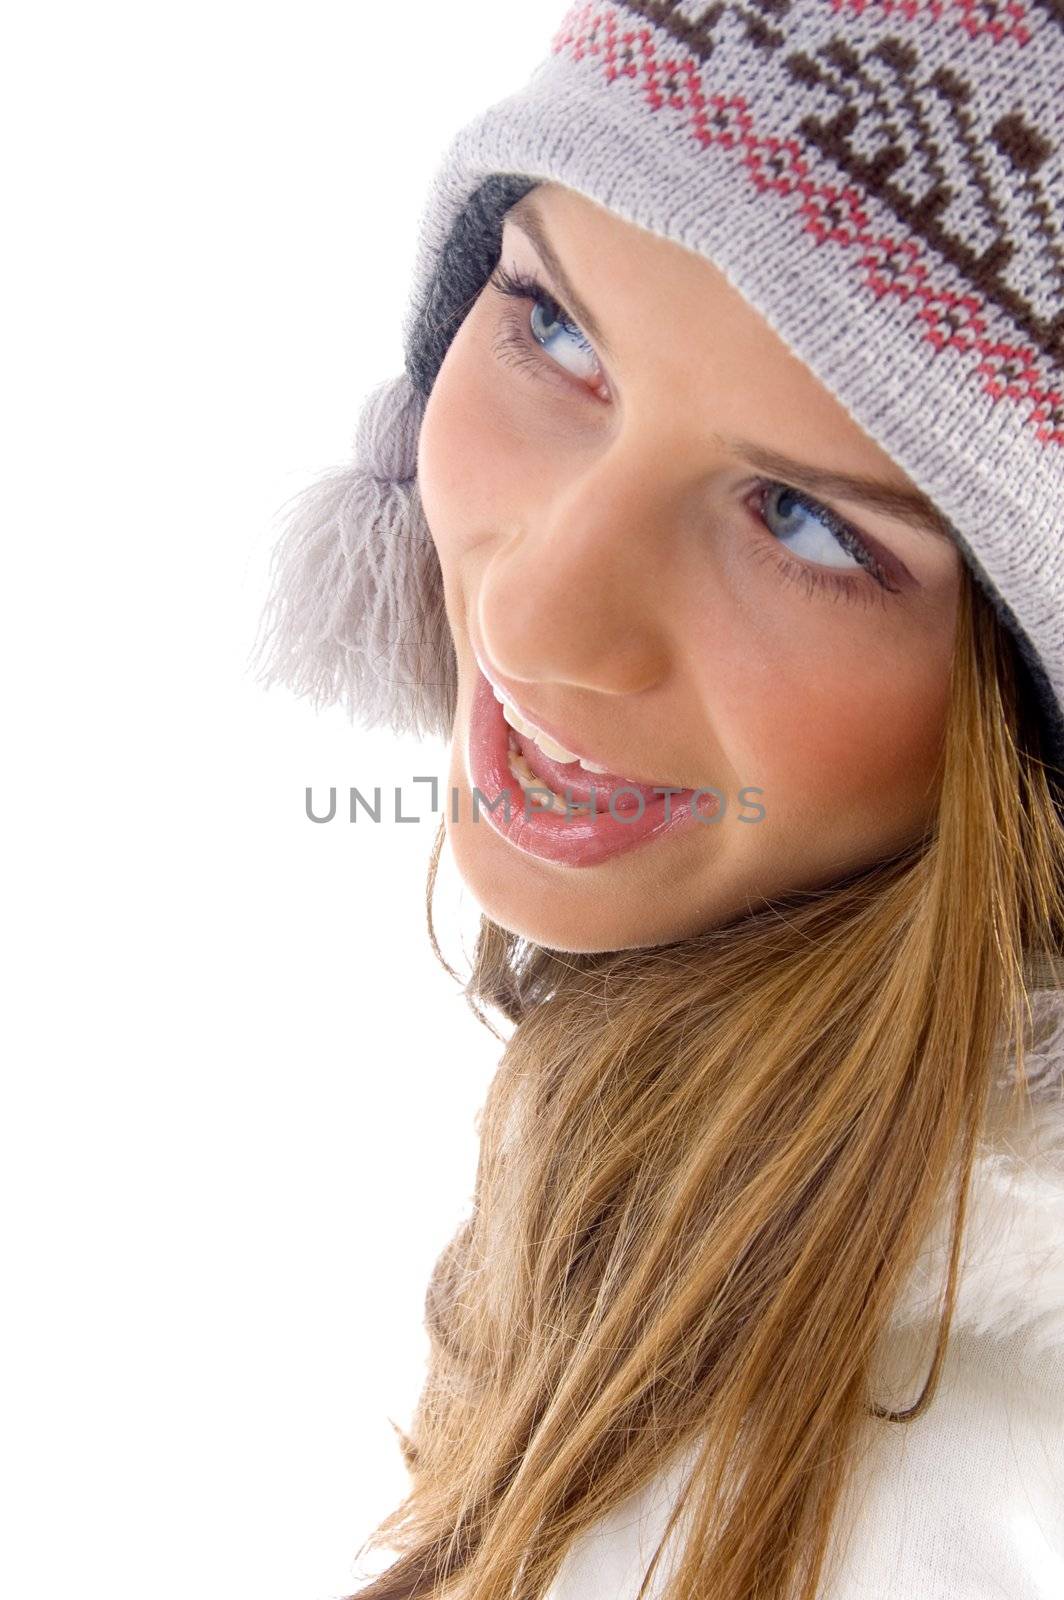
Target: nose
(580, 592)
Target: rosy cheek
(856, 746)
(820, 732)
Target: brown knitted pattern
(902, 143)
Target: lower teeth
(528, 780)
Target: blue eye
(820, 536)
(549, 328)
(821, 539)
(813, 536)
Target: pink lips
(579, 836)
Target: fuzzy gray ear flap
(355, 613)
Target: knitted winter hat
(883, 180)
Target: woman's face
(633, 563)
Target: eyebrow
(906, 505)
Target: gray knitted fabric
(883, 180)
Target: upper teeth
(549, 746)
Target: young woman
(718, 519)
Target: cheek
(830, 727)
(868, 742)
(472, 451)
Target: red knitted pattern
(976, 17)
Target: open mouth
(557, 810)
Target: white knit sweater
(967, 1502)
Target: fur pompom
(355, 613)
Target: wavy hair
(705, 1171)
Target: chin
(572, 933)
(560, 909)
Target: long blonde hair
(704, 1172)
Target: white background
(237, 1120)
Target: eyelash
(516, 348)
